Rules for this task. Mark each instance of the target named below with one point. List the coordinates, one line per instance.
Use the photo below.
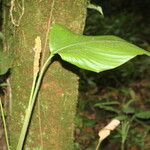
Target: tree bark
(52, 124)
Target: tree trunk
(52, 124)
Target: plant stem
(33, 88)
(122, 144)
(32, 100)
(98, 145)
(4, 124)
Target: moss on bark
(52, 124)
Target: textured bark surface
(52, 125)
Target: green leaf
(94, 53)
(5, 62)
(109, 103)
(143, 115)
(89, 122)
(128, 110)
(122, 117)
(107, 108)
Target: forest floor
(98, 106)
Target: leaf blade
(94, 53)
(143, 115)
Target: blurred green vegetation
(122, 92)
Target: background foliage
(122, 92)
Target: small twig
(4, 124)
(98, 145)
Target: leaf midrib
(80, 43)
